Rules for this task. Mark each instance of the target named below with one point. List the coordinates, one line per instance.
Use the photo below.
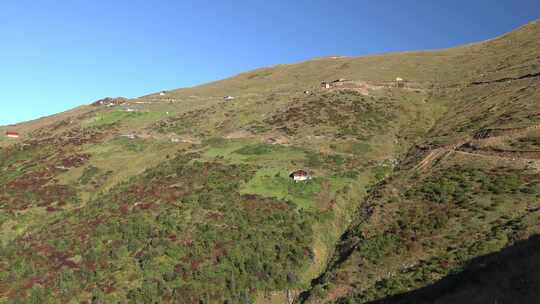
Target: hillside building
(129, 136)
(11, 134)
(400, 82)
(109, 101)
(300, 176)
(339, 82)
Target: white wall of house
(300, 178)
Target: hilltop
(184, 196)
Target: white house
(400, 82)
(300, 176)
(130, 136)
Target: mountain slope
(468, 189)
(184, 196)
(504, 276)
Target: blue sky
(55, 55)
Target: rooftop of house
(299, 173)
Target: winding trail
(482, 146)
(531, 75)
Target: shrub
(88, 173)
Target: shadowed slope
(509, 276)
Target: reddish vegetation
(75, 160)
(39, 185)
(152, 192)
(40, 165)
(216, 216)
(146, 206)
(51, 209)
(73, 137)
(108, 289)
(164, 191)
(124, 208)
(219, 252)
(445, 264)
(31, 282)
(195, 265)
(253, 203)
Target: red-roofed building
(12, 134)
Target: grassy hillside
(185, 197)
(468, 189)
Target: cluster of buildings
(109, 101)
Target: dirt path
(531, 75)
(366, 87)
(532, 154)
(496, 136)
(532, 163)
(437, 154)
(481, 145)
(432, 156)
(518, 158)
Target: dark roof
(298, 173)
